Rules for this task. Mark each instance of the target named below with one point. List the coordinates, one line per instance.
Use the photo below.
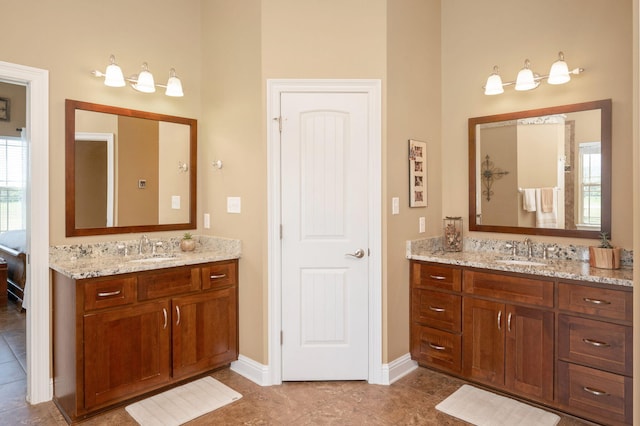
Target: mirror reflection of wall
(546, 153)
(147, 186)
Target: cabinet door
(483, 331)
(205, 334)
(529, 352)
(126, 352)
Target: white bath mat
(179, 405)
(484, 408)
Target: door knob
(358, 253)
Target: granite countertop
(104, 259)
(554, 268)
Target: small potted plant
(187, 243)
(604, 256)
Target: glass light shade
(113, 77)
(525, 79)
(559, 72)
(174, 85)
(494, 85)
(145, 81)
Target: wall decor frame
(417, 173)
(5, 107)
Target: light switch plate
(175, 202)
(233, 205)
(207, 221)
(395, 205)
(422, 225)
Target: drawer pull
(109, 293)
(595, 392)
(436, 309)
(437, 277)
(596, 343)
(596, 301)
(164, 312)
(178, 314)
(436, 347)
(215, 277)
(509, 322)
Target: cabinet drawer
(437, 348)
(168, 282)
(436, 276)
(219, 274)
(595, 394)
(509, 288)
(605, 303)
(105, 293)
(595, 343)
(436, 309)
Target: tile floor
(409, 401)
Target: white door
(324, 148)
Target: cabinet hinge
(280, 231)
(281, 338)
(279, 120)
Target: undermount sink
(520, 262)
(152, 259)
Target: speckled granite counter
(80, 261)
(567, 262)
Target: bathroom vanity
(557, 333)
(151, 325)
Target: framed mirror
(542, 172)
(128, 171)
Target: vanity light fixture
(142, 82)
(528, 79)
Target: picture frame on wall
(4, 109)
(417, 173)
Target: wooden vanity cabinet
(595, 339)
(122, 336)
(436, 322)
(509, 345)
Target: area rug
(483, 408)
(179, 405)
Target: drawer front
(595, 394)
(105, 293)
(437, 348)
(605, 303)
(425, 275)
(219, 274)
(595, 343)
(509, 288)
(436, 309)
(168, 282)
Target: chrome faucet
(529, 245)
(144, 240)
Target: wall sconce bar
(142, 82)
(559, 73)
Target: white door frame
(372, 88)
(38, 299)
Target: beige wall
(593, 34)
(432, 56)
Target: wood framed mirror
(128, 170)
(545, 171)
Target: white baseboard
(397, 369)
(259, 373)
(252, 370)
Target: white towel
(529, 199)
(549, 219)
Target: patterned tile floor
(409, 401)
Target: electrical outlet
(395, 205)
(422, 225)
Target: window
(13, 184)
(589, 187)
